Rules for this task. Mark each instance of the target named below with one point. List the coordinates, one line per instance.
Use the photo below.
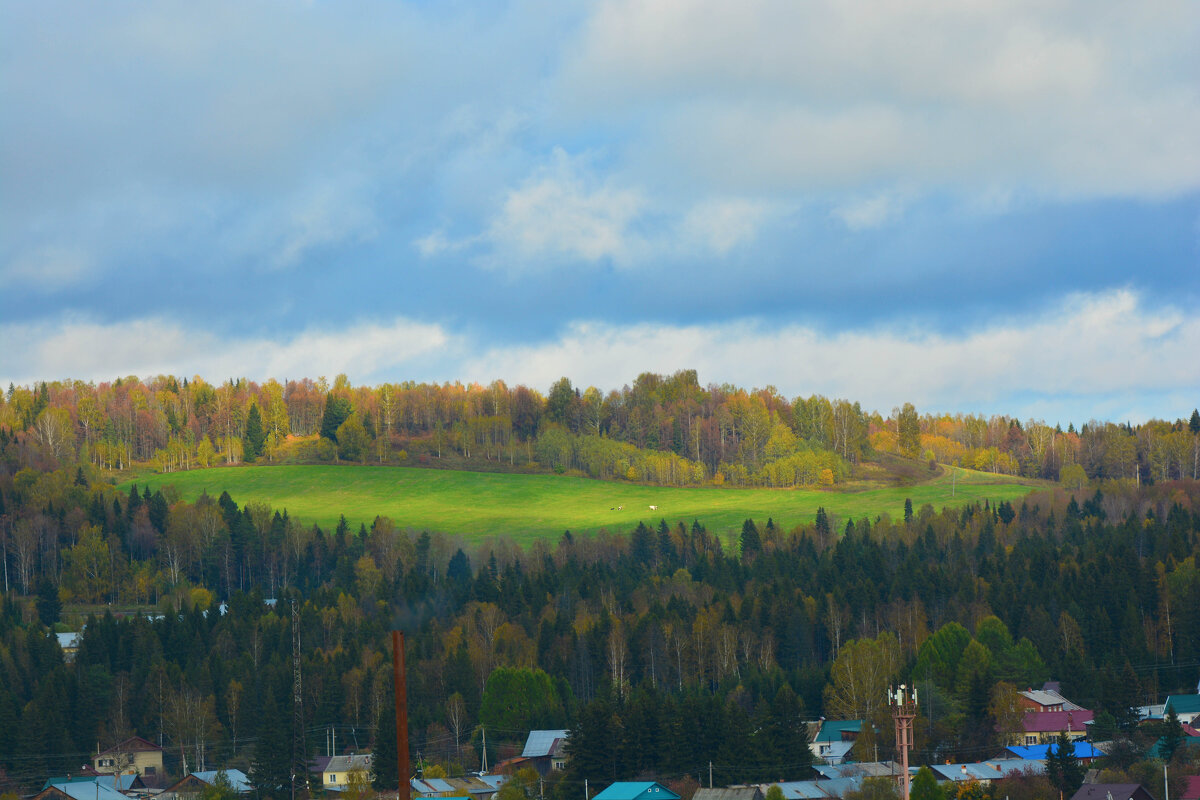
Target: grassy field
(528, 507)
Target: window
(332, 778)
(1030, 740)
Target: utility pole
(710, 774)
(483, 763)
(398, 676)
(299, 753)
(903, 702)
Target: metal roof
(832, 730)
(1052, 721)
(634, 790)
(1040, 751)
(541, 743)
(867, 769)
(1184, 703)
(988, 770)
(238, 780)
(802, 790)
(89, 791)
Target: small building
(1048, 698)
(866, 769)
(1112, 791)
(833, 741)
(1185, 706)
(135, 753)
(739, 793)
(78, 790)
(545, 751)
(985, 772)
(336, 774)
(126, 782)
(1043, 727)
(636, 790)
(193, 784)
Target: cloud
(1090, 353)
(563, 212)
(1075, 98)
(88, 350)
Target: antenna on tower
(299, 752)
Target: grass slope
(529, 507)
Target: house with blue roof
(193, 784)
(636, 790)
(1084, 751)
(79, 790)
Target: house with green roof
(636, 790)
(834, 739)
(1185, 706)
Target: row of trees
(667, 429)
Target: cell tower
(903, 702)
(299, 751)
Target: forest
(666, 430)
(660, 648)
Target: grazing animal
(620, 508)
(654, 508)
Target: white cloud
(871, 211)
(563, 212)
(719, 225)
(1082, 354)
(87, 350)
(1071, 98)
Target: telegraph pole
(398, 675)
(903, 702)
(299, 752)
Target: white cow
(654, 508)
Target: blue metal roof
(832, 729)
(238, 780)
(802, 790)
(89, 790)
(541, 743)
(636, 790)
(1040, 751)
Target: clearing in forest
(529, 507)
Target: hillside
(528, 507)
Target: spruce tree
(271, 768)
(383, 749)
(256, 435)
(751, 541)
(1194, 422)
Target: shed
(740, 793)
(1112, 791)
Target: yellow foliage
(827, 477)
(201, 598)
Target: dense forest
(663, 429)
(661, 649)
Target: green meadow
(528, 507)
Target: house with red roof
(1043, 727)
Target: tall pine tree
(252, 443)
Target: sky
(977, 207)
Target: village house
(78, 790)
(1112, 791)
(1185, 706)
(336, 773)
(1084, 752)
(1047, 698)
(135, 753)
(834, 739)
(193, 784)
(636, 790)
(545, 751)
(1043, 727)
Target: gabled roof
(1040, 751)
(832, 729)
(238, 780)
(836, 751)
(134, 744)
(544, 743)
(1184, 703)
(1191, 789)
(122, 782)
(1054, 721)
(347, 763)
(867, 769)
(632, 790)
(89, 790)
(992, 770)
(1050, 697)
(802, 790)
(1110, 791)
(740, 793)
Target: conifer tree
(383, 749)
(252, 443)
